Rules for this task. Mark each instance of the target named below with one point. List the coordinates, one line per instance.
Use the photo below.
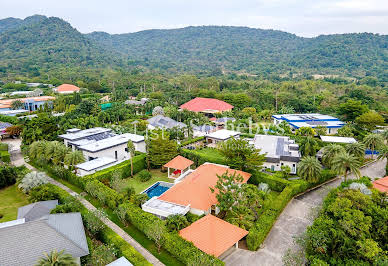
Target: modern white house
(295, 121)
(335, 139)
(221, 136)
(101, 147)
(279, 151)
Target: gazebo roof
(213, 235)
(179, 163)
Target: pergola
(179, 165)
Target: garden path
(17, 159)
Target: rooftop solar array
(85, 133)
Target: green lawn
(139, 186)
(10, 200)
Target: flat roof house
(66, 89)
(221, 136)
(335, 139)
(213, 235)
(206, 105)
(296, 121)
(279, 151)
(194, 189)
(24, 241)
(30, 103)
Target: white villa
(101, 147)
(221, 136)
(296, 121)
(279, 151)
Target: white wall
(140, 146)
(121, 153)
(277, 166)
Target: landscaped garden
(139, 186)
(11, 198)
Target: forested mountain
(39, 43)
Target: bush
(5, 157)
(3, 146)
(93, 221)
(187, 142)
(144, 175)
(32, 180)
(275, 183)
(200, 158)
(176, 222)
(104, 194)
(8, 175)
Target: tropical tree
(308, 146)
(17, 104)
(385, 135)
(309, 168)
(373, 141)
(357, 149)
(345, 163)
(131, 151)
(305, 131)
(73, 158)
(329, 152)
(57, 258)
(160, 149)
(370, 120)
(59, 154)
(176, 222)
(240, 216)
(241, 155)
(15, 130)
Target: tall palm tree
(51, 147)
(240, 216)
(57, 258)
(60, 154)
(309, 168)
(308, 146)
(329, 152)
(357, 149)
(383, 153)
(73, 158)
(385, 135)
(131, 151)
(345, 163)
(373, 141)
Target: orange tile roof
(381, 184)
(179, 163)
(67, 87)
(213, 235)
(8, 102)
(195, 188)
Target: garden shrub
(5, 156)
(3, 146)
(8, 175)
(275, 183)
(144, 175)
(32, 180)
(104, 194)
(187, 142)
(200, 158)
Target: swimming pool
(157, 189)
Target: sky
(307, 18)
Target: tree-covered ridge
(42, 43)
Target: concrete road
(292, 222)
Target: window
(126, 149)
(116, 155)
(272, 168)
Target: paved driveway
(291, 223)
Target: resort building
(101, 147)
(279, 151)
(25, 240)
(213, 235)
(164, 122)
(296, 121)
(194, 189)
(66, 89)
(208, 106)
(221, 136)
(30, 103)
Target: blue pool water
(156, 190)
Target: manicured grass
(10, 200)
(210, 153)
(164, 256)
(139, 186)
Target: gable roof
(36, 210)
(25, 244)
(68, 88)
(195, 188)
(213, 235)
(206, 104)
(179, 163)
(381, 184)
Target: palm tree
(345, 163)
(73, 158)
(373, 141)
(131, 151)
(240, 216)
(329, 152)
(385, 135)
(357, 149)
(50, 148)
(308, 146)
(309, 168)
(60, 154)
(17, 104)
(57, 258)
(383, 153)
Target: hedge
(139, 163)
(187, 142)
(104, 194)
(274, 182)
(3, 146)
(107, 235)
(180, 248)
(201, 158)
(5, 156)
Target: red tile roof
(67, 88)
(206, 104)
(381, 184)
(179, 163)
(8, 102)
(195, 188)
(213, 235)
